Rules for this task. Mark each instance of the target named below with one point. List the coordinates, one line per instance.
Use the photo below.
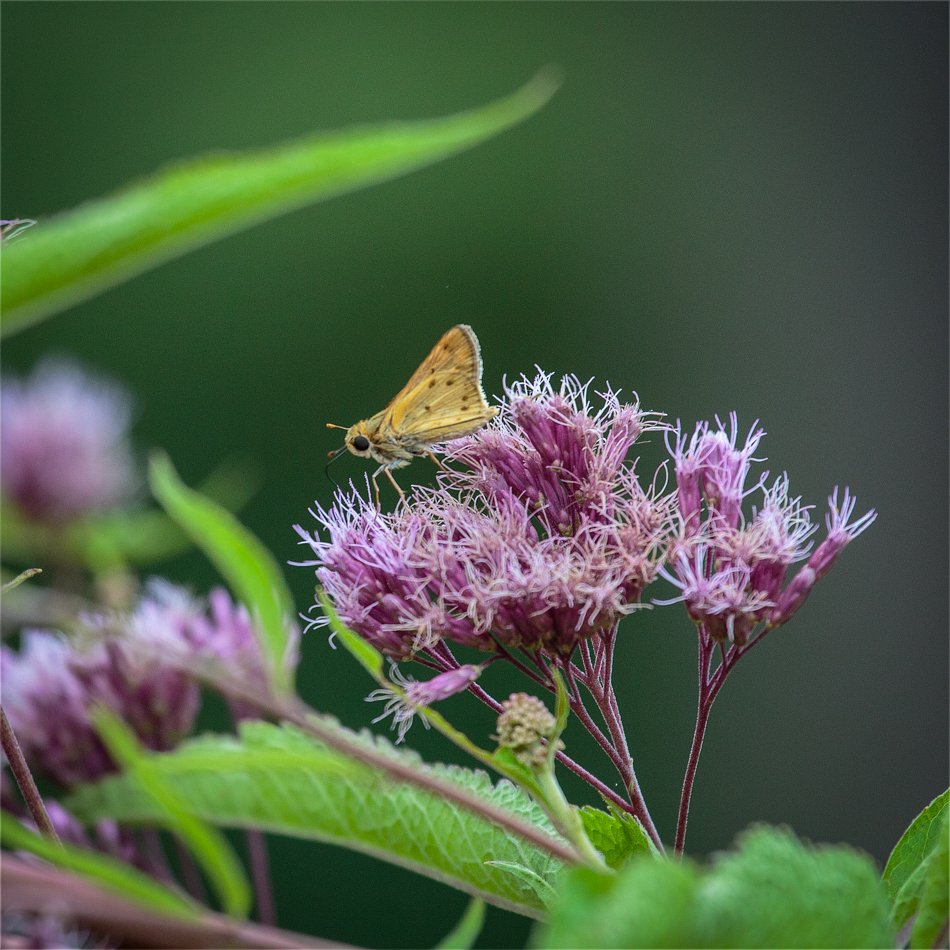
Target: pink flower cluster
(540, 534)
(542, 537)
(137, 665)
(732, 570)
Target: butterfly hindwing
(442, 405)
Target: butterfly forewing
(443, 397)
(443, 400)
(456, 351)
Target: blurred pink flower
(139, 665)
(64, 448)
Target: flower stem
(617, 749)
(260, 872)
(24, 779)
(256, 848)
(570, 824)
(615, 727)
(702, 717)
(709, 685)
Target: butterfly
(443, 400)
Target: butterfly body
(443, 400)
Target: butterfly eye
(361, 443)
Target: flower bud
(523, 725)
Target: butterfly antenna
(333, 425)
(333, 456)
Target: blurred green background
(725, 207)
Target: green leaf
(119, 538)
(466, 931)
(933, 911)
(146, 536)
(777, 891)
(544, 889)
(617, 835)
(208, 845)
(774, 891)
(280, 779)
(248, 567)
(118, 877)
(904, 872)
(99, 244)
(650, 904)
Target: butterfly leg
(437, 462)
(385, 470)
(395, 484)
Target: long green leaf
(905, 871)
(247, 566)
(279, 779)
(933, 911)
(114, 875)
(208, 845)
(101, 243)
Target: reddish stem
(702, 717)
(260, 872)
(24, 779)
(257, 853)
(709, 685)
(606, 700)
(614, 748)
(190, 873)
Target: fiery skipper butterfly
(443, 400)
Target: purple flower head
(841, 532)
(64, 448)
(711, 463)
(137, 665)
(48, 709)
(544, 538)
(731, 569)
(172, 625)
(52, 684)
(416, 693)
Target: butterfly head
(358, 442)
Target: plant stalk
(24, 779)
